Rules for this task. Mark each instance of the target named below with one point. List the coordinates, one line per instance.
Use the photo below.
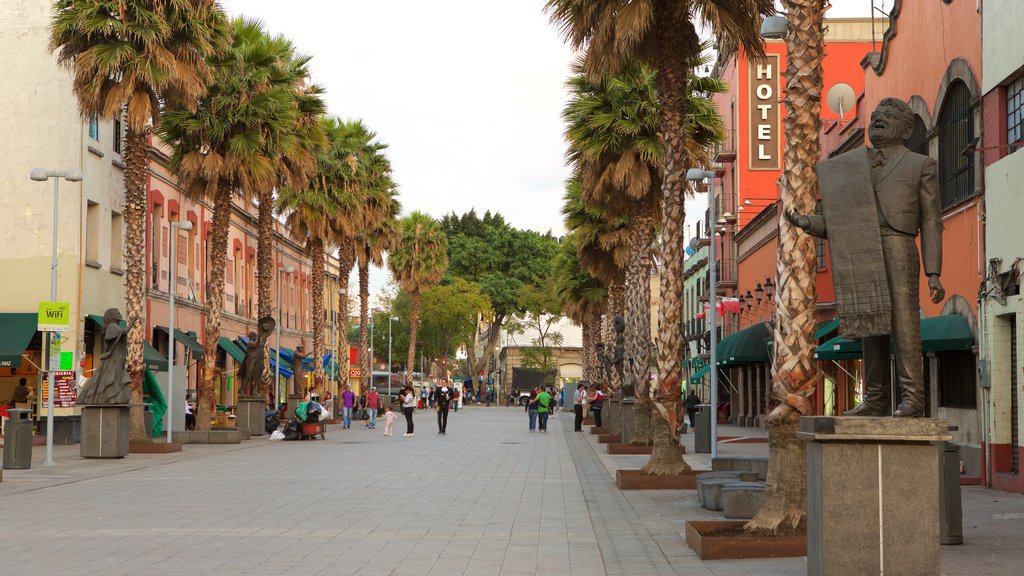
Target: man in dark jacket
(442, 398)
(691, 402)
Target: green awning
(946, 333)
(231, 348)
(187, 340)
(744, 347)
(700, 374)
(826, 328)
(839, 348)
(153, 359)
(16, 332)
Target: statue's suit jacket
(858, 201)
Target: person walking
(456, 396)
(596, 403)
(442, 399)
(190, 416)
(389, 420)
(408, 406)
(531, 409)
(578, 398)
(372, 405)
(348, 400)
(691, 402)
(543, 409)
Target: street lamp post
(186, 226)
(697, 175)
(277, 366)
(42, 175)
(390, 318)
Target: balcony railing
(726, 151)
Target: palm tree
(132, 59)
(662, 34)
(418, 261)
(794, 371)
(219, 150)
(583, 300)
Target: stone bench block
(710, 492)
(742, 500)
(727, 475)
(757, 464)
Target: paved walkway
(488, 498)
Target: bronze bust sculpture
(299, 371)
(109, 383)
(875, 201)
(251, 371)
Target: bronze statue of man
(875, 201)
(299, 371)
(250, 373)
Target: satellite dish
(693, 243)
(841, 99)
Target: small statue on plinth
(250, 374)
(299, 371)
(619, 352)
(109, 383)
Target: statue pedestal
(613, 413)
(105, 431)
(626, 419)
(250, 415)
(872, 494)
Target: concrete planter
(633, 449)
(233, 436)
(105, 431)
(634, 480)
(609, 439)
(155, 447)
(702, 538)
(599, 430)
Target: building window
(118, 135)
(154, 228)
(92, 233)
(116, 240)
(94, 127)
(822, 256)
(956, 146)
(1015, 115)
(957, 379)
(918, 141)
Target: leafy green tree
(132, 59)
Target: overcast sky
(467, 93)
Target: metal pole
(170, 337)
(713, 314)
(277, 353)
(389, 353)
(49, 343)
(370, 381)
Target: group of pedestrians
(540, 405)
(582, 399)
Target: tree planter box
(155, 447)
(700, 535)
(226, 436)
(609, 439)
(105, 431)
(634, 480)
(599, 430)
(588, 421)
(632, 449)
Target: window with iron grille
(956, 146)
(957, 379)
(118, 135)
(918, 141)
(1015, 115)
(822, 256)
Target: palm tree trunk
(794, 373)
(366, 374)
(316, 253)
(214, 303)
(413, 329)
(591, 336)
(638, 321)
(264, 277)
(678, 43)
(135, 271)
(345, 262)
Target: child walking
(389, 420)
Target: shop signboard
(355, 372)
(65, 391)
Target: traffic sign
(54, 317)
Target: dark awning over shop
(16, 332)
(187, 340)
(839, 348)
(744, 347)
(826, 328)
(700, 374)
(938, 334)
(152, 358)
(231, 348)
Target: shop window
(1015, 115)
(957, 379)
(92, 233)
(94, 127)
(956, 146)
(116, 240)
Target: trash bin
(702, 432)
(147, 417)
(18, 439)
(951, 530)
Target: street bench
(757, 464)
(742, 500)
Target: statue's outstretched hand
(935, 289)
(799, 220)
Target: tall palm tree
(218, 150)
(583, 301)
(662, 34)
(794, 371)
(418, 260)
(133, 58)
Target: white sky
(467, 93)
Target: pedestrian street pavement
(488, 498)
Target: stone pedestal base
(249, 415)
(105, 431)
(612, 413)
(873, 482)
(293, 401)
(626, 418)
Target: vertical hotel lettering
(763, 78)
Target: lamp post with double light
(277, 353)
(42, 175)
(390, 318)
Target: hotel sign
(763, 78)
